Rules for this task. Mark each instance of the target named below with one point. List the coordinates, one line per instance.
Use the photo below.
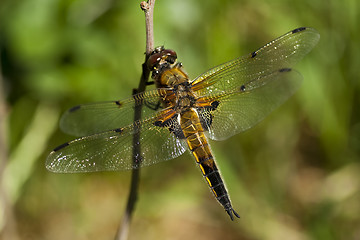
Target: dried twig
(123, 231)
(148, 8)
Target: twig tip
(144, 6)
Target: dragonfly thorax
(185, 98)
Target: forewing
(242, 107)
(113, 150)
(94, 118)
(280, 53)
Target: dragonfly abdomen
(199, 147)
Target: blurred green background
(294, 176)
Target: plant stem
(123, 231)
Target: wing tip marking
(75, 108)
(300, 29)
(61, 147)
(285, 70)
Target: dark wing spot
(173, 125)
(60, 147)
(159, 123)
(214, 104)
(73, 109)
(118, 103)
(177, 131)
(205, 114)
(298, 29)
(205, 118)
(285, 70)
(253, 54)
(119, 130)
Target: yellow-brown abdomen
(197, 142)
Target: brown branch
(148, 8)
(123, 231)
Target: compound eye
(170, 53)
(153, 60)
(159, 54)
(171, 56)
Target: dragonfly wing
(93, 118)
(242, 107)
(113, 150)
(280, 53)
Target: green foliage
(294, 176)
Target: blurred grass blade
(25, 156)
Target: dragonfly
(181, 114)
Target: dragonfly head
(160, 60)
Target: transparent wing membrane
(280, 53)
(93, 118)
(113, 150)
(243, 107)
